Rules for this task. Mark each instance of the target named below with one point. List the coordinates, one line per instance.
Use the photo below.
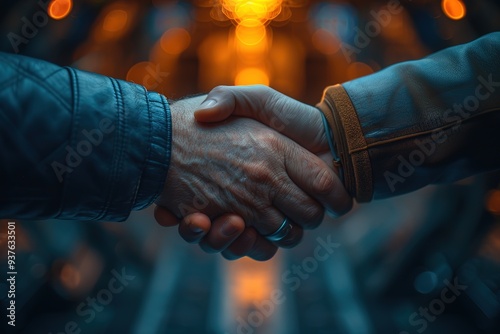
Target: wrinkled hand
(242, 167)
(298, 121)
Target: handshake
(250, 169)
(244, 170)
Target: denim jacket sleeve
(427, 121)
(77, 145)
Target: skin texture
(299, 122)
(240, 166)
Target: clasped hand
(245, 160)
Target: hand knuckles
(269, 141)
(282, 187)
(266, 173)
(260, 173)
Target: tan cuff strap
(349, 141)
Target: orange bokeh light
(115, 21)
(250, 283)
(174, 41)
(250, 35)
(263, 10)
(251, 18)
(249, 9)
(493, 202)
(251, 76)
(59, 9)
(70, 276)
(454, 9)
(325, 42)
(144, 73)
(253, 287)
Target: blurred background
(424, 262)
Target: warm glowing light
(70, 277)
(250, 23)
(146, 73)
(284, 15)
(251, 76)
(174, 41)
(493, 202)
(253, 287)
(249, 53)
(251, 284)
(216, 59)
(325, 42)
(454, 9)
(250, 35)
(217, 15)
(59, 9)
(251, 9)
(115, 21)
(263, 10)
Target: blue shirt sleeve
(77, 145)
(433, 120)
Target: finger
(313, 175)
(224, 231)
(194, 227)
(295, 204)
(218, 106)
(327, 158)
(250, 244)
(301, 123)
(298, 121)
(271, 220)
(293, 238)
(165, 217)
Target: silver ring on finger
(281, 233)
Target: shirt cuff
(156, 166)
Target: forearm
(77, 145)
(420, 122)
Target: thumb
(300, 122)
(224, 101)
(215, 108)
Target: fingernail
(228, 229)
(207, 104)
(194, 228)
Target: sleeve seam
(74, 129)
(118, 149)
